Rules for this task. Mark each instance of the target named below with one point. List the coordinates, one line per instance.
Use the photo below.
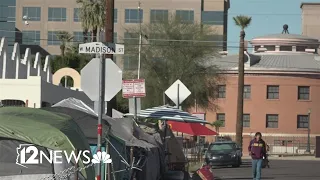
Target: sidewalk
(299, 158)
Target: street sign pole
(113, 75)
(101, 107)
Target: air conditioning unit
(262, 49)
(310, 50)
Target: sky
(268, 17)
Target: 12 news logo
(37, 156)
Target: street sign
(101, 48)
(133, 88)
(90, 79)
(172, 92)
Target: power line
(163, 40)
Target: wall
(287, 106)
(22, 79)
(310, 20)
(22, 89)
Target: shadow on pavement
(217, 178)
(243, 165)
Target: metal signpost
(132, 89)
(108, 73)
(178, 92)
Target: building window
(303, 121)
(272, 92)
(78, 37)
(131, 38)
(285, 48)
(76, 14)
(33, 13)
(7, 13)
(301, 48)
(222, 117)
(52, 38)
(303, 93)
(212, 17)
(247, 92)
(157, 16)
(115, 15)
(272, 121)
(246, 120)
(31, 37)
(57, 14)
(270, 48)
(222, 91)
(132, 16)
(185, 16)
(130, 63)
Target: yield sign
(172, 92)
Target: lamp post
(308, 145)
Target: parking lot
(279, 170)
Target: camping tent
(124, 133)
(48, 131)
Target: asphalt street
(279, 170)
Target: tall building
(311, 20)
(7, 21)
(44, 18)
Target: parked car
(224, 153)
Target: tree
(64, 38)
(243, 22)
(217, 124)
(92, 15)
(175, 50)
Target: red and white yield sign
(133, 88)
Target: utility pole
(109, 29)
(308, 150)
(139, 60)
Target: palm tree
(92, 15)
(243, 22)
(64, 38)
(217, 124)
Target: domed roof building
(281, 99)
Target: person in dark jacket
(257, 150)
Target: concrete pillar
(294, 48)
(277, 48)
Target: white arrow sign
(101, 48)
(172, 92)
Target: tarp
(54, 131)
(87, 122)
(195, 129)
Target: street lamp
(308, 145)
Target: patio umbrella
(195, 129)
(169, 113)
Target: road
(279, 170)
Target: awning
(195, 129)
(169, 113)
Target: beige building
(311, 20)
(43, 18)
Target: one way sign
(101, 48)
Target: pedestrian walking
(257, 150)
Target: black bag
(265, 163)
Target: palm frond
(242, 21)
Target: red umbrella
(195, 129)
